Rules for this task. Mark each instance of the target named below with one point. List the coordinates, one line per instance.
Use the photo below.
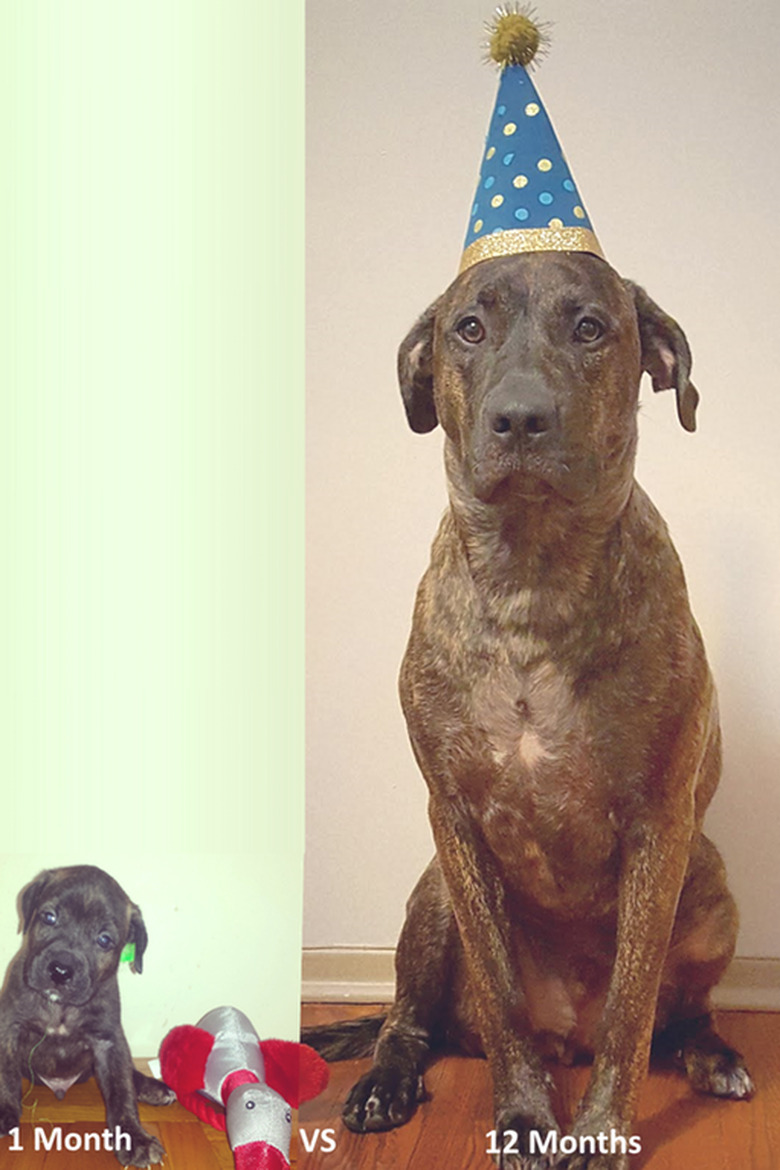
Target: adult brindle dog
(59, 1006)
(562, 712)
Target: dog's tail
(346, 1040)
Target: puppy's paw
(524, 1143)
(153, 1092)
(145, 1150)
(384, 1098)
(9, 1118)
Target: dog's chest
(519, 746)
(525, 715)
(63, 1056)
(536, 787)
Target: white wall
(670, 117)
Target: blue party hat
(527, 200)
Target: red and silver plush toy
(226, 1075)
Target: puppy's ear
(137, 934)
(30, 897)
(415, 372)
(665, 355)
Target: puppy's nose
(60, 973)
(526, 422)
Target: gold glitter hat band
(515, 240)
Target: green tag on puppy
(128, 953)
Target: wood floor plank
(678, 1129)
(188, 1145)
(81, 1115)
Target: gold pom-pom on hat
(515, 35)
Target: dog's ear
(415, 372)
(30, 898)
(666, 355)
(137, 934)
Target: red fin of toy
(294, 1070)
(183, 1056)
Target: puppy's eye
(49, 917)
(471, 330)
(105, 941)
(588, 329)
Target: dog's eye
(589, 329)
(105, 942)
(471, 330)
(49, 917)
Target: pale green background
(151, 483)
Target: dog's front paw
(384, 1098)
(604, 1147)
(593, 1162)
(151, 1091)
(523, 1143)
(144, 1150)
(9, 1118)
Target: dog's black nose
(60, 973)
(523, 422)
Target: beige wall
(670, 123)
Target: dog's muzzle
(62, 976)
(522, 425)
(518, 437)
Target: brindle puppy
(59, 1006)
(563, 715)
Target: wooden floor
(189, 1145)
(678, 1129)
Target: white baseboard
(366, 975)
(348, 974)
(751, 985)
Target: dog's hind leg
(702, 945)
(388, 1094)
(711, 1065)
